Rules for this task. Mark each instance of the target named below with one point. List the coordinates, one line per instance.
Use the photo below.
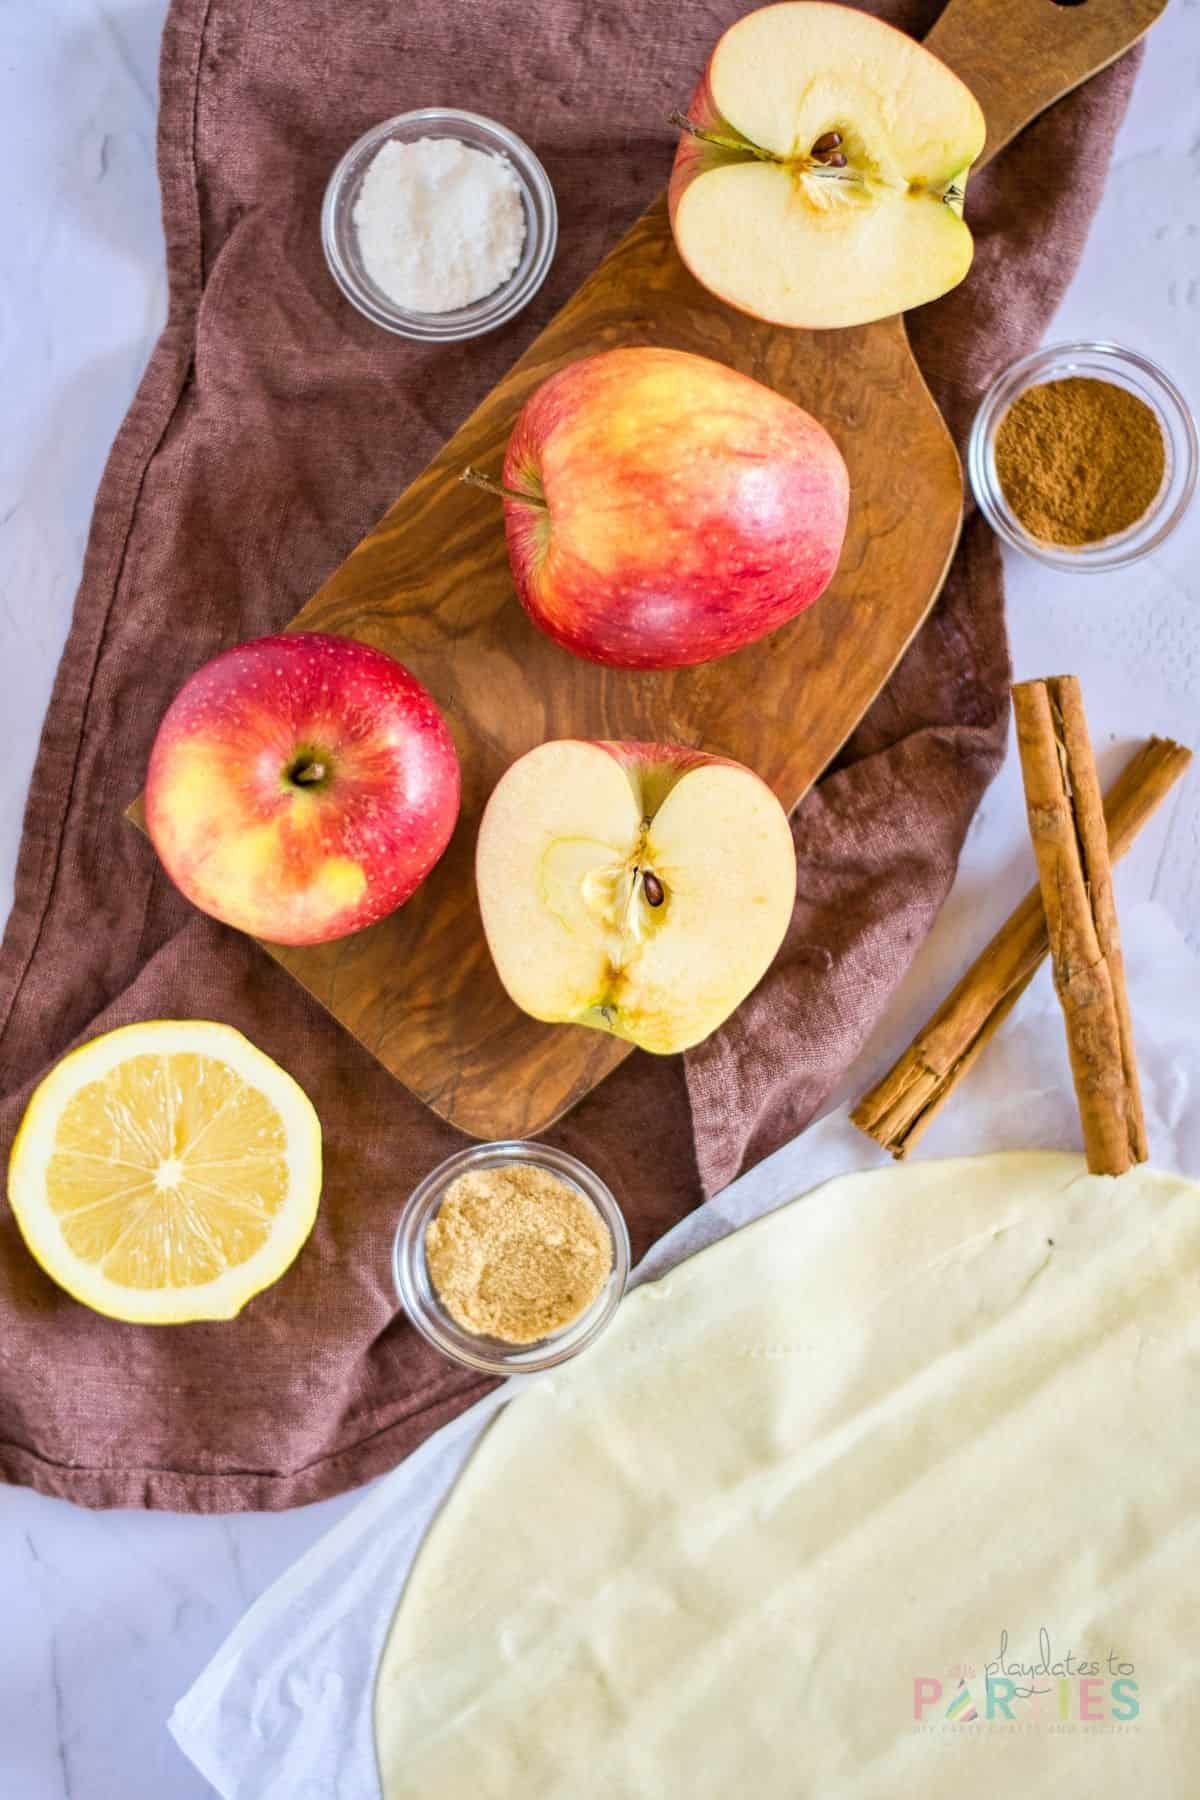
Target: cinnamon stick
(1066, 823)
(899, 1107)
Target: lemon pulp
(166, 1172)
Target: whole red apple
(662, 509)
(301, 787)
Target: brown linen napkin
(272, 427)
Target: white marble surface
(109, 1617)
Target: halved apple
(820, 177)
(642, 889)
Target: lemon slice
(166, 1172)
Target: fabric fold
(272, 427)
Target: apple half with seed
(642, 889)
(820, 176)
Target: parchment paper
(283, 1711)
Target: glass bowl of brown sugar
(1084, 456)
(511, 1257)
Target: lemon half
(166, 1172)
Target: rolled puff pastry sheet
(847, 1505)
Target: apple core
(641, 889)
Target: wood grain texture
(431, 585)
(1019, 56)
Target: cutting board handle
(1018, 56)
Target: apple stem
(719, 140)
(807, 165)
(308, 774)
(475, 478)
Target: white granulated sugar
(439, 224)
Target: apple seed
(653, 888)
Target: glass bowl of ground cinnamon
(511, 1257)
(1084, 456)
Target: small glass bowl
(419, 1297)
(340, 239)
(1106, 362)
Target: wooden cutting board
(431, 585)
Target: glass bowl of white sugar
(439, 225)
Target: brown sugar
(1079, 459)
(515, 1252)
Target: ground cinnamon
(1079, 459)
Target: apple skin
(678, 510)
(301, 862)
(654, 768)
